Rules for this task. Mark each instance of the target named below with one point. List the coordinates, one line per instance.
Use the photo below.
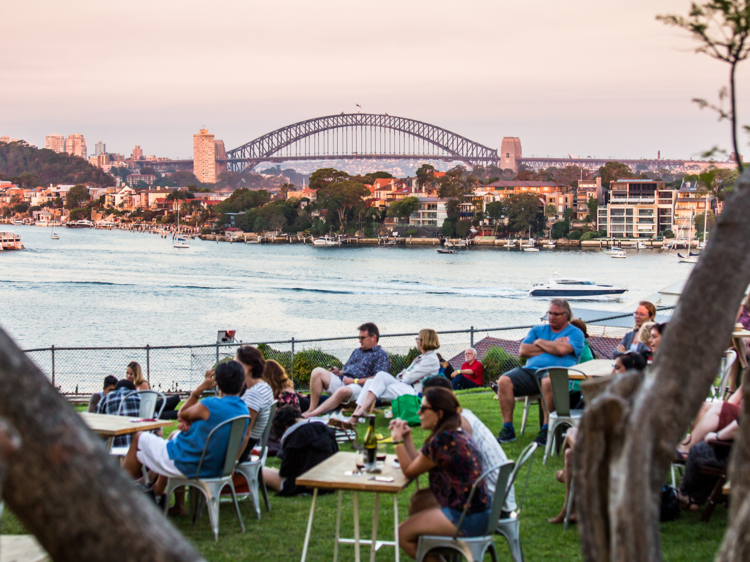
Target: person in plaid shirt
(345, 385)
(110, 404)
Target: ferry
(571, 287)
(10, 241)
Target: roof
(382, 182)
(504, 183)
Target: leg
(430, 522)
(549, 398)
(320, 378)
(506, 398)
(375, 527)
(707, 424)
(272, 479)
(131, 464)
(422, 500)
(567, 478)
(342, 396)
(372, 390)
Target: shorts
(524, 381)
(152, 452)
(729, 413)
(474, 525)
(337, 382)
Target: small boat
(54, 236)
(327, 241)
(446, 251)
(620, 254)
(690, 258)
(550, 244)
(255, 240)
(180, 242)
(10, 241)
(80, 224)
(571, 287)
(41, 222)
(18, 222)
(530, 249)
(613, 251)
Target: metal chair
(252, 469)
(727, 362)
(147, 411)
(510, 527)
(563, 414)
(528, 401)
(211, 487)
(473, 548)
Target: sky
(584, 77)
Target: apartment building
(431, 213)
(587, 190)
(76, 145)
(133, 179)
(690, 202)
(204, 157)
(637, 209)
(55, 143)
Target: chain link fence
(174, 369)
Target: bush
(369, 232)
(306, 360)
(496, 362)
(411, 232)
(575, 235)
(589, 235)
(401, 362)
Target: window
(507, 154)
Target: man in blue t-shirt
(557, 344)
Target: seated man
(557, 344)
(131, 406)
(471, 373)
(491, 451)
(179, 457)
(346, 385)
(109, 385)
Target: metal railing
(81, 370)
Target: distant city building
(587, 189)
(637, 209)
(204, 157)
(76, 146)
(137, 153)
(100, 149)
(510, 153)
(133, 179)
(5, 139)
(55, 143)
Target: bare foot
(175, 511)
(561, 518)
(559, 475)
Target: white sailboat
(180, 241)
(689, 257)
(54, 234)
(531, 246)
(620, 254)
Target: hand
(348, 380)
(712, 437)
(183, 425)
(399, 429)
(335, 371)
(621, 348)
(208, 381)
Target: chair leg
(550, 438)
(527, 405)
(237, 506)
(714, 498)
(264, 491)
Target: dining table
(109, 426)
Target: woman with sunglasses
(454, 464)
(646, 312)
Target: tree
(403, 208)
(150, 170)
(593, 205)
(381, 175)
(77, 195)
(425, 176)
(320, 179)
(341, 197)
(550, 210)
(721, 27)
(522, 210)
(614, 171)
(560, 229)
(699, 220)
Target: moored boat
(10, 241)
(571, 287)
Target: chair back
(497, 501)
(236, 436)
(267, 430)
(526, 456)
(149, 398)
(558, 377)
(730, 356)
(122, 402)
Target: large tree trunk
(65, 488)
(630, 430)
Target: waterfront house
(637, 208)
(587, 190)
(431, 212)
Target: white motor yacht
(570, 287)
(618, 254)
(180, 242)
(10, 241)
(327, 241)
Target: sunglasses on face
(362, 338)
(423, 408)
(556, 313)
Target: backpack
(669, 507)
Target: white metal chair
(211, 487)
(510, 527)
(727, 362)
(563, 414)
(147, 411)
(252, 469)
(473, 548)
(528, 401)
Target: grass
(280, 534)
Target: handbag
(406, 407)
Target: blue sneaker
(506, 435)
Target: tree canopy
(403, 208)
(522, 210)
(614, 171)
(322, 178)
(77, 195)
(242, 200)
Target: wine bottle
(371, 445)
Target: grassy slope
(280, 534)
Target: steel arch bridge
(359, 136)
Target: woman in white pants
(387, 387)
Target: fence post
(148, 364)
(217, 353)
(291, 367)
(53, 366)
(471, 330)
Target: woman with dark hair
(454, 465)
(257, 397)
(305, 443)
(656, 334)
(629, 361)
(645, 312)
(283, 387)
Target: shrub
(369, 232)
(401, 362)
(496, 362)
(411, 232)
(306, 360)
(589, 235)
(575, 235)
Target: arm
(529, 350)
(192, 410)
(559, 347)
(429, 365)
(94, 402)
(726, 434)
(412, 463)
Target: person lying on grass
(179, 457)
(454, 464)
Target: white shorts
(337, 382)
(152, 452)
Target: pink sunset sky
(585, 77)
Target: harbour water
(116, 288)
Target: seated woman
(179, 457)
(696, 488)
(282, 386)
(388, 388)
(258, 396)
(305, 443)
(657, 332)
(471, 373)
(454, 465)
(134, 374)
(645, 312)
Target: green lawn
(279, 535)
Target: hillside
(31, 167)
